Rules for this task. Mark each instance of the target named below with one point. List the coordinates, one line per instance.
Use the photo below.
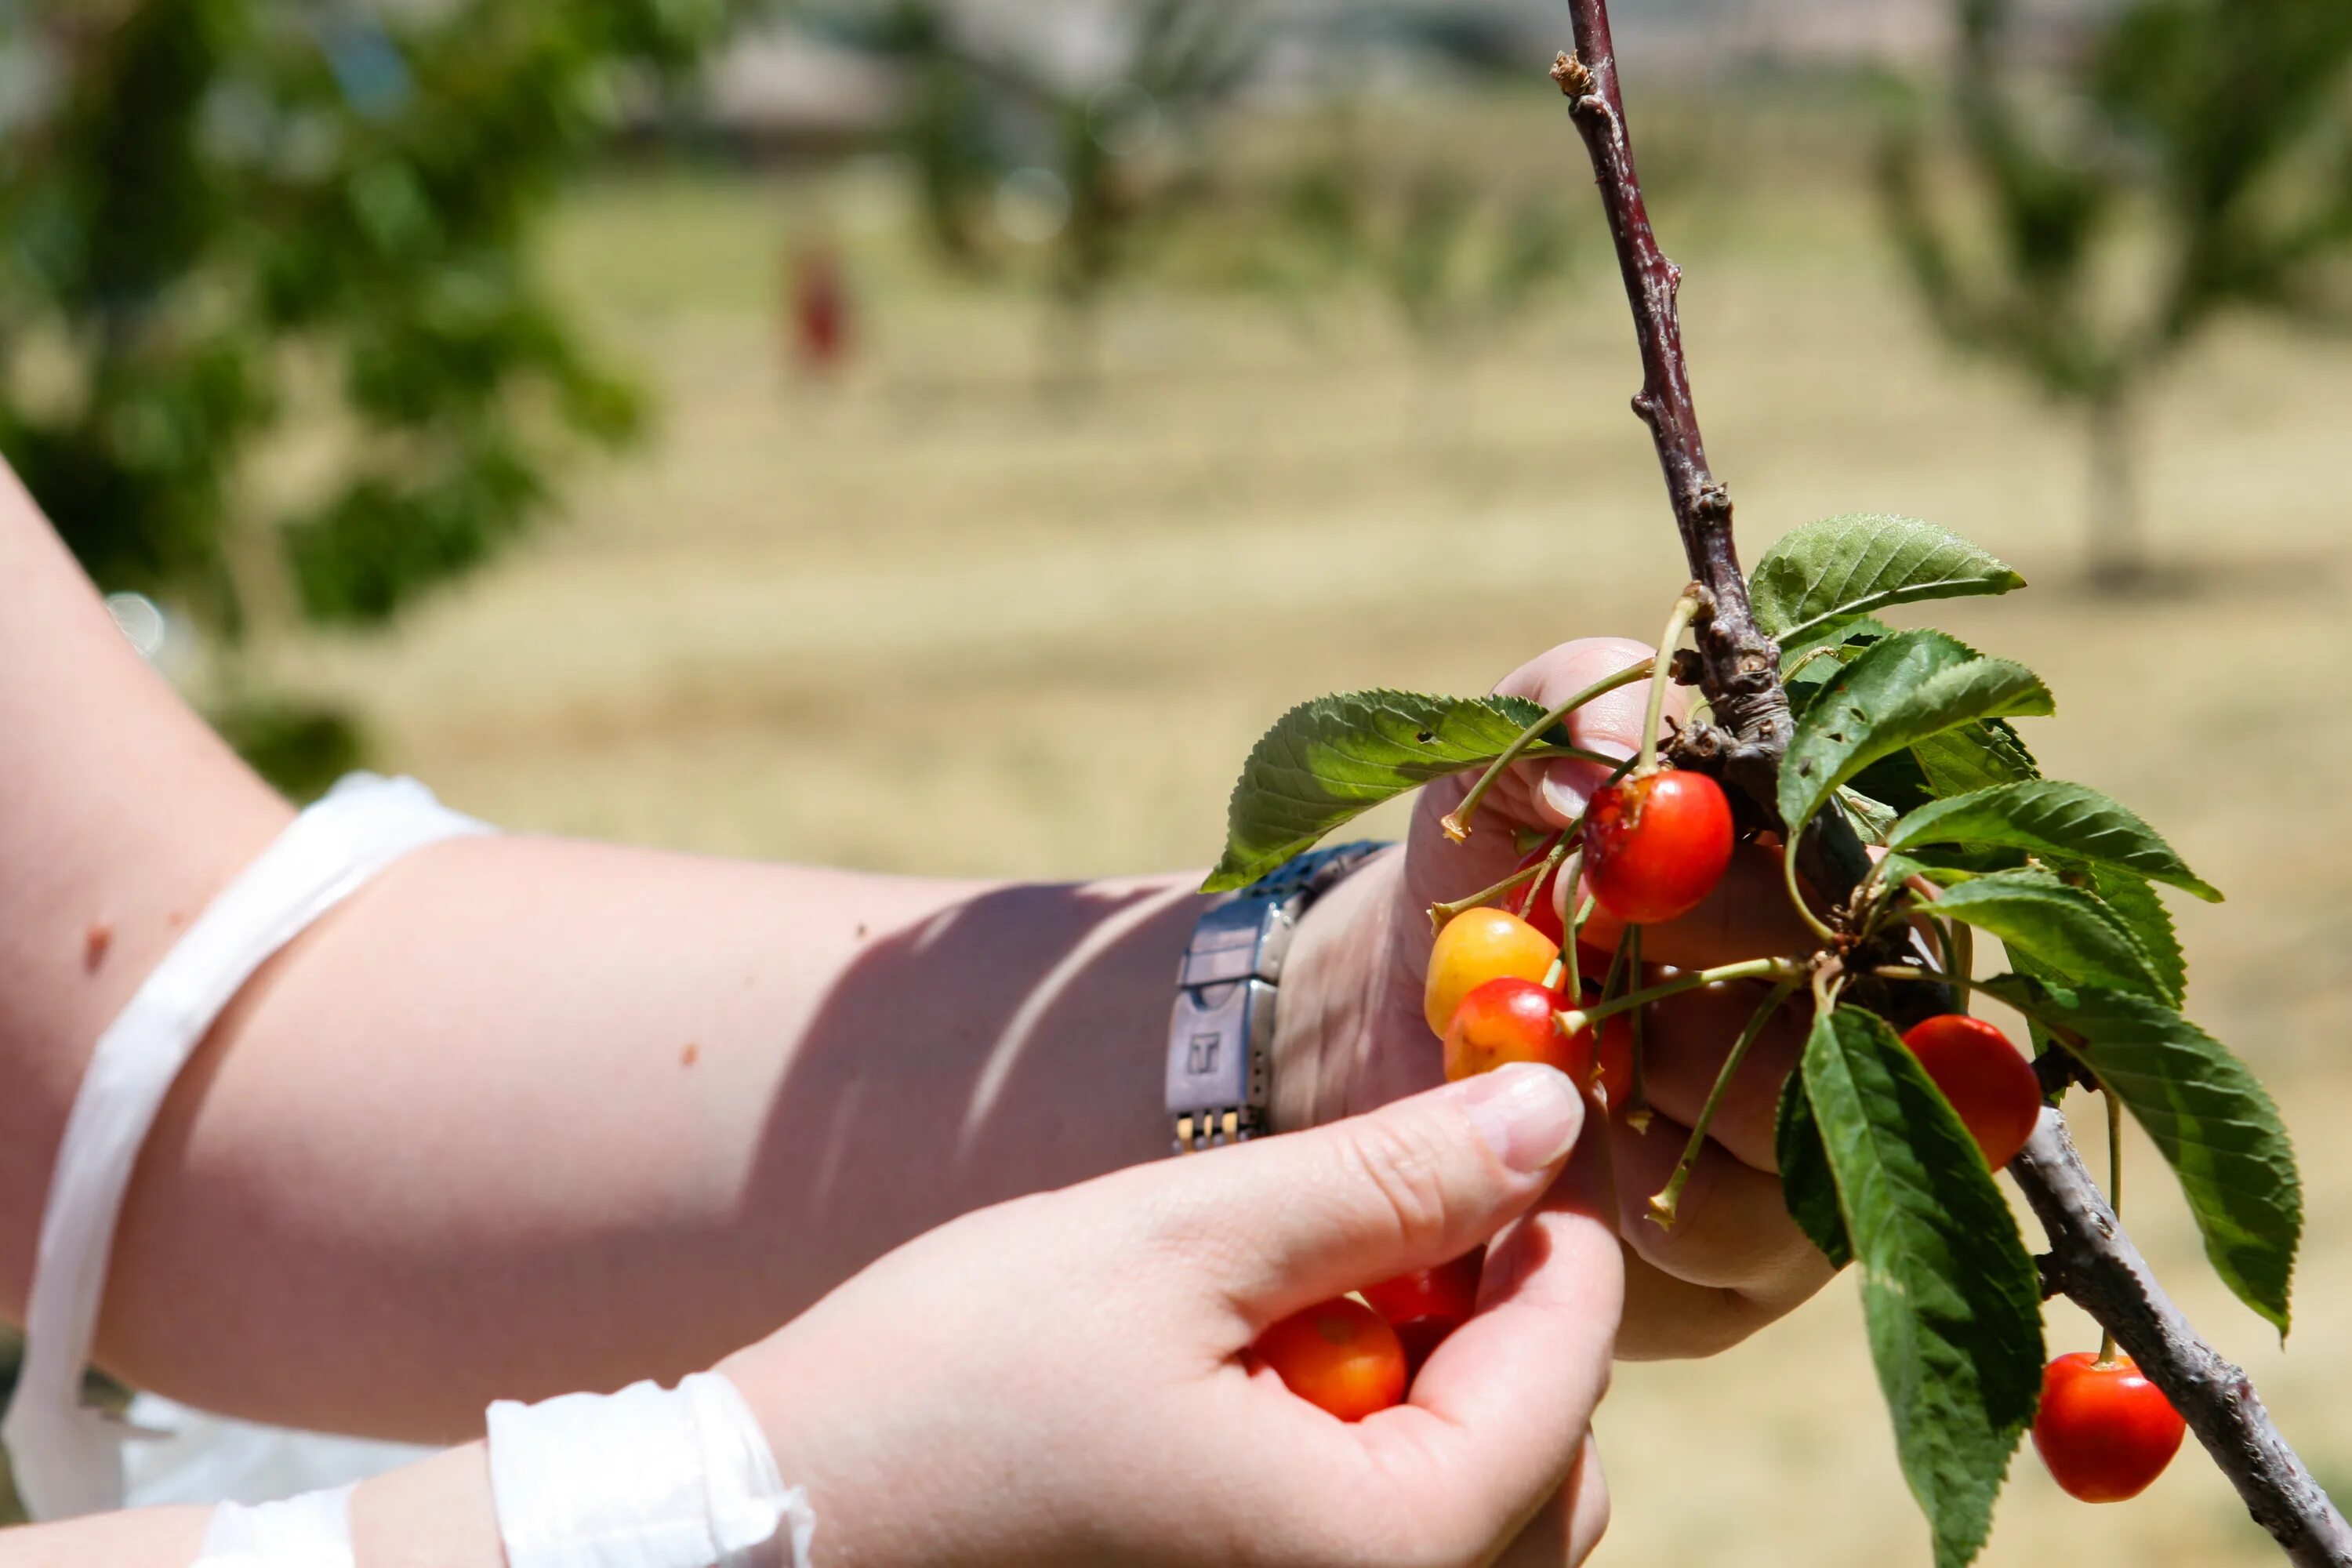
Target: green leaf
(1844, 567)
(1874, 818)
(1807, 1185)
(1951, 1296)
(2135, 901)
(1974, 756)
(2069, 929)
(1848, 637)
(1948, 866)
(2208, 1115)
(1332, 759)
(2055, 821)
(1902, 691)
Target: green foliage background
(220, 212)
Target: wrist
(435, 1513)
(1342, 963)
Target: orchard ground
(933, 618)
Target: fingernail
(1527, 1113)
(1568, 789)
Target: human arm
(527, 1115)
(1066, 1379)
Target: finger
(1746, 916)
(1500, 1411)
(1537, 794)
(1732, 1229)
(1610, 724)
(1686, 1039)
(1570, 1524)
(1668, 1318)
(1299, 1219)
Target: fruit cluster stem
(2091, 1260)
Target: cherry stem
(1789, 875)
(1637, 1095)
(1439, 914)
(2114, 1197)
(1572, 937)
(1686, 610)
(1554, 853)
(1826, 651)
(1458, 822)
(1773, 969)
(1667, 1204)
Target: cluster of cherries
(1655, 846)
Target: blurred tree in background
(1455, 253)
(1090, 167)
(2195, 158)
(223, 213)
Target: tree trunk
(2118, 548)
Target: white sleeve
(68, 1459)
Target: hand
(1352, 1034)
(1064, 1379)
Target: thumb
(1313, 1214)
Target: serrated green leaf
(1902, 691)
(1974, 756)
(1335, 758)
(2055, 821)
(2071, 929)
(1844, 567)
(1848, 637)
(1947, 865)
(2140, 907)
(1874, 818)
(1953, 1303)
(1807, 1185)
(2210, 1117)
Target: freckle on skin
(94, 943)
(861, 931)
(175, 920)
(691, 1055)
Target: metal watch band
(1221, 1032)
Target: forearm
(434, 1514)
(522, 1116)
(530, 1116)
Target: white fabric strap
(647, 1478)
(67, 1459)
(313, 1531)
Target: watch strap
(1221, 1033)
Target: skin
(1734, 1261)
(1105, 1327)
(526, 1116)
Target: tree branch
(2095, 1264)
(2092, 1262)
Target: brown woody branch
(2093, 1263)
(2091, 1260)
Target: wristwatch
(1221, 1032)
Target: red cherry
(1341, 1355)
(1426, 1305)
(2105, 1432)
(1656, 847)
(1510, 1020)
(1988, 1083)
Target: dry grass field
(931, 619)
